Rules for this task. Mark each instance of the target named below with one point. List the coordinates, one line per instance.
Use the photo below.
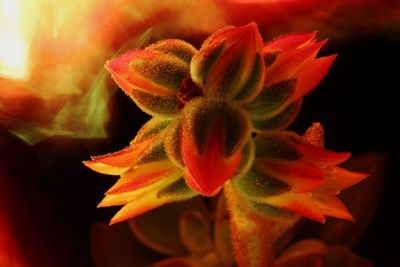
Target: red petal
(310, 75)
(301, 204)
(303, 176)
(144, 175)
(118, 162)
(339, 178)
(128, 79)
(206, 173)
(290, 41)
(318, 155)
(288, 64)
(333, 207)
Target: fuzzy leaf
(229, 64)
(275, 145)
(153, 127)
(118, 162)
(256, 184)
(172, 143)
(176, 190)
(148, 71)
(298, 203)
(302, 176)
(174, 47)
(155, 152)
(163, 106)
(281, 120)
(270, 99)
(144, 175)
(213, 136)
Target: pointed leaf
(229, 63)
(270, 99)
(256, 184)
(172, 143)
(339, 178)
(290, 41)
(162, 106)
(174, 47)
(144, 175)
(333, 207)
(311, 75)
(357, 198)
(281, 120)
(302, 176)
(288, 64)
(318, 155)
(148, 71)
(140, 201)
(153, 127)
(213, 136)
(118, 162)
(177, 190)
(275, 145)
(299, 203)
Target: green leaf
(153, 127)
(177, 190)
(281, 120)
(163, 106)
(175, 47)
(271, 99)
(256, 184)
(275, 145)
(172, 143)
(200, 115)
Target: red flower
(219, 115)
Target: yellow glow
(13, 40)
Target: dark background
(51, 197)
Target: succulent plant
(220, 116)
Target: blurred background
(58, 106)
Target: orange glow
(14, 35)
(52, 52)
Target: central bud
(212, 139)
(187, 91)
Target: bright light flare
(14, 43)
